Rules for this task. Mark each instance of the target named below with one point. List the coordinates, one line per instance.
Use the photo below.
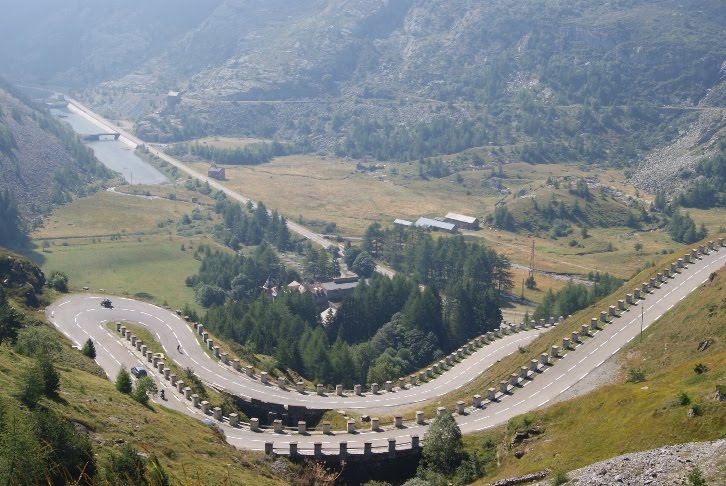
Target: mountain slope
(42, 162)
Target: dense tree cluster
(250, 226)
(12, 228)
(239, 276)
(709, 190)
(252, 154)
(384, 329)
(573, 297)
(682, 228)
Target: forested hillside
(42, 163)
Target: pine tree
(89, 349)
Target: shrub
(49, 375)
(636, 375)
(700, 368)
(123, 381)
(31, 387)
(695, 477)
(683, 399)
(58, 281)
(559, 478)
(144, 387)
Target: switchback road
(81, 316)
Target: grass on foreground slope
(190, 452)
(629, 417)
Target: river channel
(114, 154)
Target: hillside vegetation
(62, 421)
(664, 394)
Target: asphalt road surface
(81, 316)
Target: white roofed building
(462, 221)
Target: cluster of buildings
(327, 295)
(449, 223)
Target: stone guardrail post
(491, 394)
(319, 389)
(350, 426)
(300, 386)
(216, 351)
(188, 393)
(523, 372)
(575, 337)
(195, 400)
(503, 386)
(217, 414)
(629, 299)
(593, 323)
(415, 443)
(357, 389)
(398, 421)
(391, 447)
(277, 425)
(585, 330)
(123, 331)
(476, 401)
(269, 450)
(235, 364)
(544, 359)
(205, 336)
(254, 425)
(318, 450)
(249, 371)
(367, 448)
(603, 316)
(233, 419)
(402, 383)
(339, 390)
(263, 377)
(210, 344)
(440, 411)
(621, 305)
(389, 386)
(301, 426)
(460, 407)
(281, 382)
(118, 327)
(205, 407)
(532, 366)
(326, 428)
(180, 386)
(420, 419)
(374, 423)
(293, 449)
(343, 449)
(172, 380)
(565, 343)
(514, 379)
(143, 350)
(374, 388)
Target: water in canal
(114, 154)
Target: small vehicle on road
(107, 304)
(138, 371)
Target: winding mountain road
(81, 317)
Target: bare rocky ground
(670, 167)
(658, 467)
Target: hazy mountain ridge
(560, 80)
